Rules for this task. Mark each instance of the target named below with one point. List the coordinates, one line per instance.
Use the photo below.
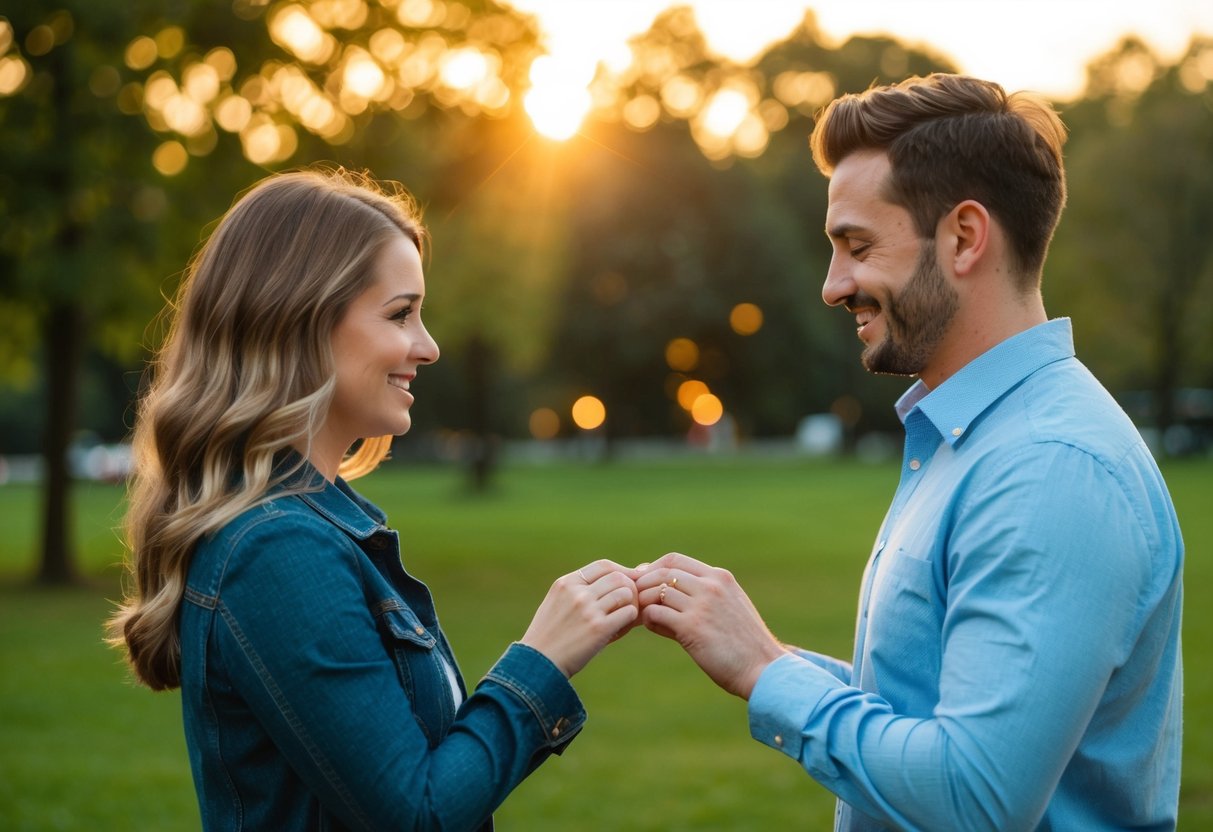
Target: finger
(591, 572)
(660, 620)
(613, 582)
(618, 619)
(624, 596)
(663, 595)
(673, 576)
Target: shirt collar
(954, 405)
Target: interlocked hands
(701, 607)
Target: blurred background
(627, 225)
(626, 221)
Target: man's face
(883, 272)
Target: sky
(1041, 45)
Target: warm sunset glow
(707, 410)
(557, 102)
(1063, 41)
(589, 413)
(745, 319)
(544, 423)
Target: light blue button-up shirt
(1017, 656)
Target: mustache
(860, 300)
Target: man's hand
(706, 611)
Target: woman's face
(377, 347)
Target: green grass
(81, 748)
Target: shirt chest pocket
(904, 632)
(419, 665)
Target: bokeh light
(689, 391)
(544, 423)
(14, 73)
(140, 53)
(293, 29)
(589, 412)
(170, 158)
(707, 410)
(682, 354)
(745, 319)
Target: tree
(78, 249)
(1134, 249)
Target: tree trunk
(62, 345)
(62, 341)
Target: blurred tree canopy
(672, 248)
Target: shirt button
(915, 464)
(957, 431)
(779, 740)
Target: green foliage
(1133, 258)
(664, 749)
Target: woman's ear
(965, 236)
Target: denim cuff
(532, 677)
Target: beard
(917, 318)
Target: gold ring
(661, 595)
(673, 583)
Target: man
(1017, 660)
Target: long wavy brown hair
(244, 375)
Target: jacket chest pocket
(419, 665)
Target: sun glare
(557, 101)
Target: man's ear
(964, 233)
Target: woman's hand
(582, 613)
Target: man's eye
(859, 250)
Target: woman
(318, 689)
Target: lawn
(81, 748)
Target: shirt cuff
(784, 697)
(532, 677)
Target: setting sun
(557, 102)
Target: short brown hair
(950, 138)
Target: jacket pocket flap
(403, 624)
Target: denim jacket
(314, 690)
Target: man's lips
(863, 317)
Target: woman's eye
(402, 315)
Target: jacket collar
(335, 501)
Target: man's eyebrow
(842, 230)
(410, 297)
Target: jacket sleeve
(296, 639)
